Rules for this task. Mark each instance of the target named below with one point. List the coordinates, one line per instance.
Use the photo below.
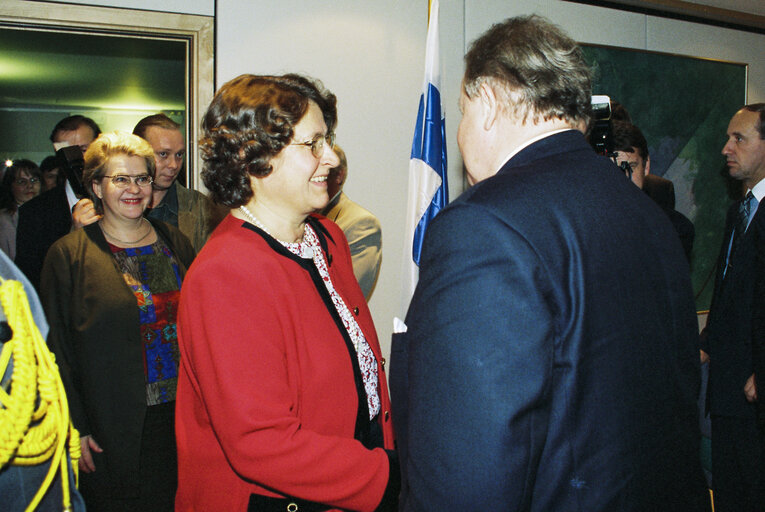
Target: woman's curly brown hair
(250, 120)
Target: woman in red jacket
(282, 400)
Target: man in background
(51, 173)
(52, 214)
(734, 339)
(188, 210)
(550, 361)
(361, 228)
(632, 151)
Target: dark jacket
(42, 220)
(95, 335)
(735, 332)
(547, 364)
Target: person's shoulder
(74, 240)
(190, 194)
(360, 210)
(6, 217)
(351, 213)
(233, 249)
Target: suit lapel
(743, 254)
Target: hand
(750, 389)
(87, 443)
(84, 213)
(704, 357)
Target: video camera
(601, 133)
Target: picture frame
(682, 104)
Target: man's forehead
(82, 134)
(164, 138)
(743, 122)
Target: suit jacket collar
(562, 142)
(723, 258)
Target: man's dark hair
(72, 123)
(628, 136)
(540, 71)
(48, 164)
(619, 113)
(159, 120)
(759, 108)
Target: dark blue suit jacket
(547, 364)
(735, 331)
(42, 221)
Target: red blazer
(267, 400)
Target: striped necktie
(742, 221)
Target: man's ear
(489, 106)
(648, 165)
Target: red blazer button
(356, 311)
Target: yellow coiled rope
(34, 417)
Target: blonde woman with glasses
(111, 293)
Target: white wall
(371, 54)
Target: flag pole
(428, 191)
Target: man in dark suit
(51, 215)
(546, 366)
(733, 339)
(631, 149)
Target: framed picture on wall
(683, 106)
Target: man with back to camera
(52, 214)
(361, 227)
(546, 366)
(733, 341)
(188, 210)
(632, 150)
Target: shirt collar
(759, 191)
(170, 201)
(532, 141)
(71, 198)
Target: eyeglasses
(317, 144)
(23, 182)
(123, 180)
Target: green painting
(682, 105)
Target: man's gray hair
(535, 68)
